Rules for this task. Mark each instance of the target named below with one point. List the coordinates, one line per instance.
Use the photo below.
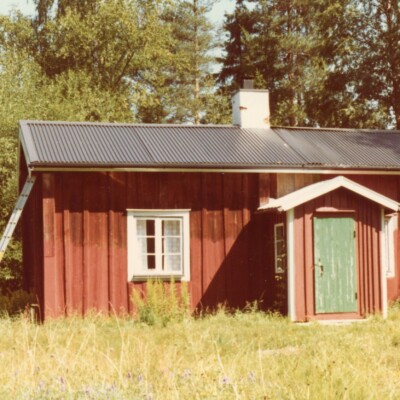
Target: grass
(242, 356)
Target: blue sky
(27, 7)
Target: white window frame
(134, 272)
(389, 227)
(278, 270)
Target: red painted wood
(117, 243)
(73, 242)
(234, 245)
(213, 246)
(53, 268)
(32, 223)
(301, 263)
(231, 248)
(95, 231)
(193, 185)
(264, 188)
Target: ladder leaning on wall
(16, 214)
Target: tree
(184, 90)
(237, 63)
(377, 64)
(311, 55)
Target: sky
(27, 8)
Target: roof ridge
(330, 129)
(133, 124)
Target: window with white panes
(158, 244)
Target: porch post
(291, 266)
(382, 246)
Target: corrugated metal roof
(344, 147)
(123, 145)
(81, 145)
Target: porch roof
(315, 190)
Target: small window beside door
(280, 248)
(389, 228)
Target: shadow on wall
(247, 273)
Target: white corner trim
(291, 264)
(314, 190)
(383, 267)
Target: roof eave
(277, 168)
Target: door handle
(321, 269)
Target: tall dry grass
(224, 356)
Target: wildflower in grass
(225, 380)
(41, 386)
(129, 376)
(186, 373)
(87, 390)
(113, 387)
(62, 383)
(140, 378)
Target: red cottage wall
(82, 259)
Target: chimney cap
(248, 83)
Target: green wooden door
(335, 265)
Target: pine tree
(237, 63)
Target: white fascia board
(315, 190)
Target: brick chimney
(250, 107)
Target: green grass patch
(223, 356)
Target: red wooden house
(301, 219)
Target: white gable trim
(315, 190)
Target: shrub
(162, 303)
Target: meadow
(246, 355)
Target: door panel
(335, 265)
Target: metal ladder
(16, 214)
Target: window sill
(144, 278)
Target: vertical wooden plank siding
(233, 225)
(213, 244)
(193, 189)
(73, 243)
(32, 222)
(53, 265)
(95, 231)
(300, 273)
(85, 245)
(117, 243)
(81, 263)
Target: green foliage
(162, 303)
(15, 302)
(326, 63)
